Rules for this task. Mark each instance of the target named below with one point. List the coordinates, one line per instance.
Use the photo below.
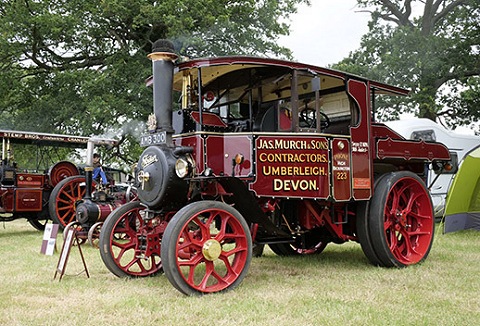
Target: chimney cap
(162, 45)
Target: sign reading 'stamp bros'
(292, 167)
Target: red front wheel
(401, 220)
(206, 248)
(130, 244)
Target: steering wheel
(324, 121)
(308, 119)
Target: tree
(79, 66)
(431, 47)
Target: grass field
(337, 287)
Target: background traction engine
(210, 186)
(82, 203)
(26, 185)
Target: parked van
(428, 130)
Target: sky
(326, 32)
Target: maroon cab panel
(291, 166)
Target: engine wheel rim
(79, 231)
(408, 221)
(134, 245)
(215, 269)
(94, 234)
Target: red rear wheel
(64, 197)
(206, 248)
(401, 220)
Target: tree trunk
(428, 108)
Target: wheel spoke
(394, 202)
(66, 201)
(64, 197)
(226, 261)
(194, 260)
(124, 246)
(418, 216)
(411, 201)
(392, 239)
(405, 249)
(388, 225)
(223, 229)
(190, 240)
(204, 226)
(209, 270)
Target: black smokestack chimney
(163, 58)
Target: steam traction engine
(265, 151)
(24, 193)
(81, 203)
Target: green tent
(462, 207)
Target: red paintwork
(25, 192)
(265, 168)
(7, 196)
(28, 200)
(341, 178)
(106, 208)
(209, 119)
(407, 226)
(361, 142)
(196, 233)
(418, 150)
(221, 150)
(29, 180)
(382, 131)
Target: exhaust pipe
(163, 58)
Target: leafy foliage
(436, 54)
(79, 66)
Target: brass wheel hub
(211, 249)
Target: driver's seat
(285, 119)
(266, 119)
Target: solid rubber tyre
(364, 235)
(363, 232)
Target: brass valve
(143, 177)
